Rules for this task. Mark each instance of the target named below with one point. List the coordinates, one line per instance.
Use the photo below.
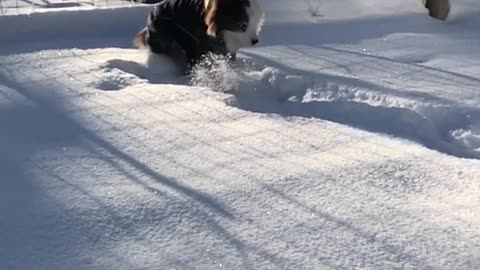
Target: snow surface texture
(352, 148)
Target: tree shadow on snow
(40, 231)
(43, 229)
(359, 234)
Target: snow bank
(84, 23)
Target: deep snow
(345, 140)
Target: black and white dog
(186, 30)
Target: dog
(187, 30)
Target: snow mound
(468, 137)
(115, 79)
(117, 74)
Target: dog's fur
(188, 29)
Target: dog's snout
(254, 41)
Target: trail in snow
(437, 124)
(440, 124)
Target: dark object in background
(438, 9)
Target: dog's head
(238, 21)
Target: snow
(345, 140)
(28, 6)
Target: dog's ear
(210, 16)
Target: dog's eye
(243, 26)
